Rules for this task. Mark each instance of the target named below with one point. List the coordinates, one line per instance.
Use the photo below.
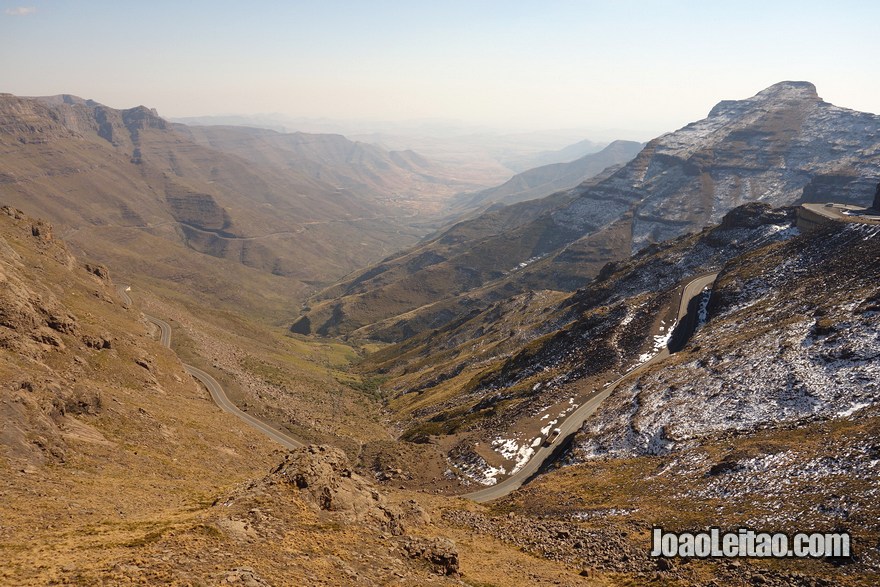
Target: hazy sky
(645, 66)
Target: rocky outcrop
(38, 328)
(32, 320)
(322, 476)
(876, 205)
(754, 215)
(440, 553)
(199, 211)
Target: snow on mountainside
(793, 334)
(779, 147)
(783, 144)
(490, 381)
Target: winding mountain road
(572, 423)
(576, 419)
(214, 388)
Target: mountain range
(707, 347)
(255, 215)
(782, 146)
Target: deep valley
(484, 374)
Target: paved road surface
(214, 388)
(571, 424)
(577, 418)
(225, 404)
(844, 213)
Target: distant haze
(617, 69)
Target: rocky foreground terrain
(91, 397)
(118, 468)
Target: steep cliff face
(122, 183)
(78, 117)
(26, 121)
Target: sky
(633, 69)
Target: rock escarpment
(767, 148)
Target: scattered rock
(42, 231)
(441, 553)
(48, 337)
(413, 514)
(12, 212)
(97, 342)
(99, 271)
(61, 321)
(244, 576)
(77, 402)
(724, 467)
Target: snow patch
(546, 429)
(511, 451)
(660, 342)
(853, 409)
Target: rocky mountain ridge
(402, 180)
(526, 361)
(779, 147)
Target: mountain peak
(789, 90)
(786, 92)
